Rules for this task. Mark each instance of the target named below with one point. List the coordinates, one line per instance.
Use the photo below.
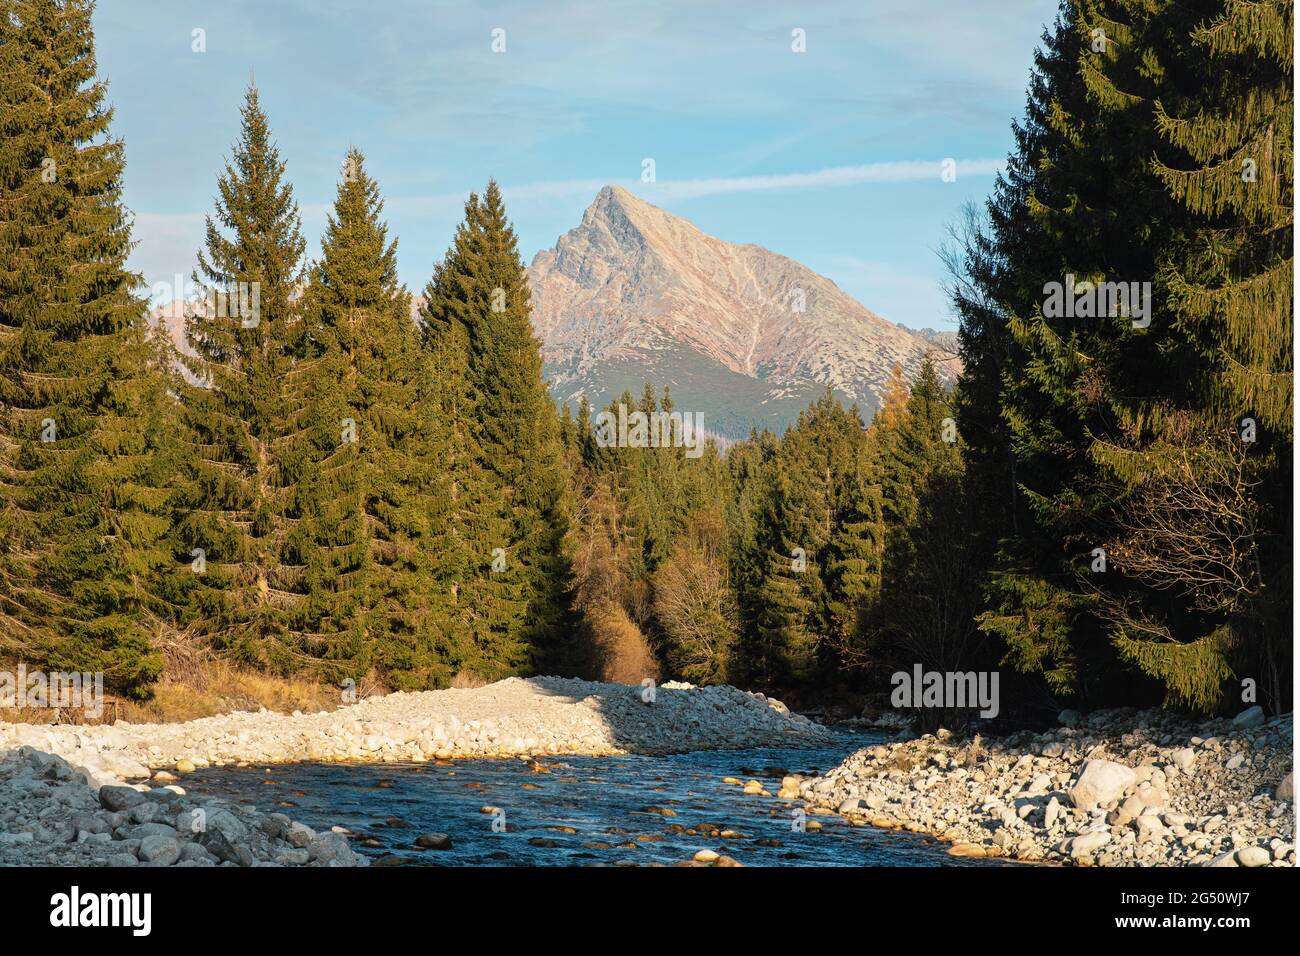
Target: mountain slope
(744, 336)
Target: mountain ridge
(636, 286)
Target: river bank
(513, 717)
(64, 798)
(1113, 788)
(51, 816)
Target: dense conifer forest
(322, 484)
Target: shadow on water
(571, 811)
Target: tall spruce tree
(463, 567)
(366, 476)
(853, 556)
(1209, 456)
(1139, 117)
(930, 582)
(1011, 440)
(83, 522)
(810, 547)
(510, 506)
(237, 415)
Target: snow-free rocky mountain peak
(743, 336)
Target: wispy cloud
(751, 137)
(897, 172)
(670, 190)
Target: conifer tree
(929, 590)
(237, 414)
(83, 488)
(510, 494)
(1220, 433)
(366, 475)
(808, 550)
(521, 440)
(463, 568)
(853, 555)
(1129, 168)
(781, 647)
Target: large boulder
(299, 835)
(1101, 782)
(1253, 856)
(1250, 717)
(119, 798)
(331, 849)
(1149, 828)
(230, 825)
(215, 842)
(433, 841)
(159, 850)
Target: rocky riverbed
(1113, 788)
(64, 798)
(539, 716)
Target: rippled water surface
(585, 810)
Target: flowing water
(585, 810)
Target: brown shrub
(620, 652)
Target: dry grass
(220, 688)
(464, 680)
(197, 683)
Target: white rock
(1086, 844)
(1253, 856)
(1052, 813)
(1149, 828)
(1101, 782)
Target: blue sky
(830, 156)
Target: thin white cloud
(912, 170)
(917, 170)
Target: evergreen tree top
(358, 260)
(255, 200)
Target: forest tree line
(1100, 508)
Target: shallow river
(585, 810)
